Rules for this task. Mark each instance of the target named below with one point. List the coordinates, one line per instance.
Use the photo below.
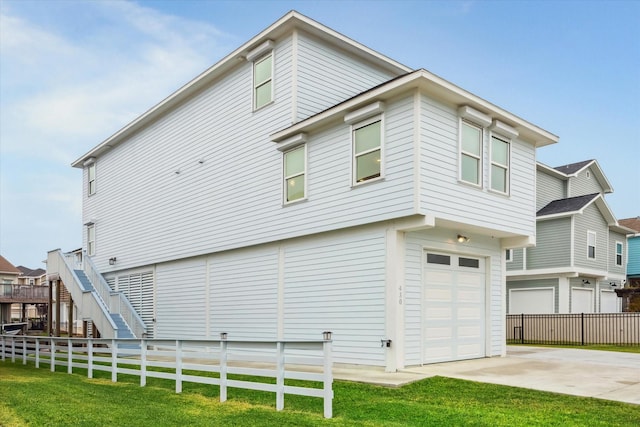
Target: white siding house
(306, 183)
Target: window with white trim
(591, 244)
(509, 255)
(500, 153)
(470, 153)
(294, 174)
(91, 239)
(91, 183)
(619, 249)
(263, 81)
(367, 150)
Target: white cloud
(70, 78)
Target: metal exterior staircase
(111, 312)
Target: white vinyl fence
(207, 361)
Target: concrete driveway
(600, 374)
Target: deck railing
(215, 362)
(574, 329)
(24, 293)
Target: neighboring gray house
(307, 183)
(581, 251)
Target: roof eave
(289, 21)
(430, 84)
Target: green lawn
(38, 397)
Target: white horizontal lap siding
(444, 196)
(327, 77)
(548, 189)
(553, 245)
(243, 294)
(181, 304)
(148, 213)
(337, 283)
(441, 240)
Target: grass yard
(38, 397)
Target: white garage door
(531, 301)
(454, 308)
(609, 302)
(581, 300)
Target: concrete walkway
(600, 374)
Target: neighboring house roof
(632, 223)
(7, 267)
(31, 273)
(567, 206)
(576, 205)
(573, 169)
(282, 26)
(429, 83)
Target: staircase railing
(117, 302)
(89, 303)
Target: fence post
(13, 349)
(582, 326)
(90, 358)
(37, 352)
(52, 348)
(521, 328)
(178, 366)
(328, 375)
(279, 376)
(24, 350)
(114, 361)
(143, 363)
(3, 348)
(69, 356)
(223, 367)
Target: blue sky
(74, 72)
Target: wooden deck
(24, 294)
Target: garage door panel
(531, 301)
(456, 295)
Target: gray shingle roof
(572, 204)
(573, 167)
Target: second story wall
(589, 222)
(584, 183)
(548, 189)
(553, 245)
(616, 242)
(633, 266)
(444, 195)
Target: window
(438, 259)
(367, 151)
(470, 155)
(469, 262)
(591, 244)
(263, 81)
(509, 255)
(294, 174)
(92, 179)
(618, 253)
(499, 165)
(91, 239)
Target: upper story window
(470, 153)
(591, 244)
(500, 153)
(509, 255)
(367, 150)
(91, 183)
(91, 239)
(618, 253)
(263, 81)
(294, 174)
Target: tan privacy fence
(574, 329)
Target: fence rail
(207, 362)
(574, 329)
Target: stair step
(84, 280)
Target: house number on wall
(400, 295)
